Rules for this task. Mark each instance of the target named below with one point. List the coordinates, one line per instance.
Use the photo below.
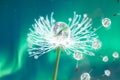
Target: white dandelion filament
(77, 35)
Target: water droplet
(115, 55)
(105, 59)
(96, 44)
(85, 76)
(107, 72)
(36, 57)
(60, 34)
(77, 55)
(106, 22)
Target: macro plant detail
(76, 38)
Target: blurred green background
(17, 16)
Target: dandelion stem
(57, 63)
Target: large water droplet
(61, 31)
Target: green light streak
(16, 64)
(21, 55)
(3, 69)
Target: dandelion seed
(105, 59)
(107, 72)
(115, 55)
(96, 44)
(77, 55)
(106, 22)
(85, 76)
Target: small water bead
(107, 72)
(85, 76)
(70, 19)
(77, 55)
(106, 22)
(105, 59)
(115, 55)
(96, 44)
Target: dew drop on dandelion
(77, 55)
(60, 33)
(85, 76)
(106, 22)
(107, 72)
(115, 55)
(96, 44)
(105, 59)
(61, 30)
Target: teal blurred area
(17, 16)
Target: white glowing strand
(73, 24)
(48, 22)
(43, 39)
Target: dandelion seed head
(77, 35)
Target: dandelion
(75, 36)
